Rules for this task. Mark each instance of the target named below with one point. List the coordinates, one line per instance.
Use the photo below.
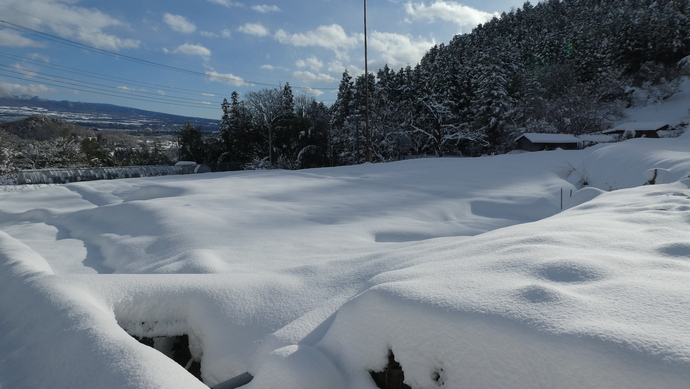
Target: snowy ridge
(466, 268)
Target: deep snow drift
(467, 269)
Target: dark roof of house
(549, 138)
(636, 126)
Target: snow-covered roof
(597, 138)
(549, 138)
(636, 126)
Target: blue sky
(184, 57)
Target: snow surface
(672, 111)
(466, 268)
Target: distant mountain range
(100, 116)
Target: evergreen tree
(94, 154)
(357, 134)
(190, 143)
(240, 141)
(341, 123)
(287, 132)
(495, 105)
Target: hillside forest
(555, 67)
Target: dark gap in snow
(235, 382)
(438, 377)
(652, 180)
(392, 376)
(175, 348)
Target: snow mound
(466, 269)
(582, 196)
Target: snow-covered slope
(467, 269)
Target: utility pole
(367, 130)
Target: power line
(105, 92)
(96, 86)
(135, 84)
(149, 51)
(95, 75)
(140, 61)
(99, 88)
(99, 76)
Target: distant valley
(99, 116)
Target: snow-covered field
(467, 269)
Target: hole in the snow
(175, 348)
(439, 377)
(392, 376)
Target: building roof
(596, 138)
(549, 138)
(636, 126)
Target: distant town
(101, 116)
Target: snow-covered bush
(684, 66)
(258, 164)
(8, 156)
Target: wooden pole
(366, 89)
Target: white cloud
(160, 92)
(39, 57)
(449, 11)
(266, 8)
(227, 3)
(253, 29)
(312, 63)
(206, 103)
(312, 77)
(24, 71)
(9, 38)
(18, 90)
(272, 67)
(179, 23)
(313, 92)
(223, 34)
(397, 50)
(108, 42)
(208, 94)
(190, 49)
(69, 21)
(226, 78)
(338, 67)
(126, 88)
(330, 37)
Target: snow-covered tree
(8, 156)
(54, 153)
(341, 122)
(267, 111)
